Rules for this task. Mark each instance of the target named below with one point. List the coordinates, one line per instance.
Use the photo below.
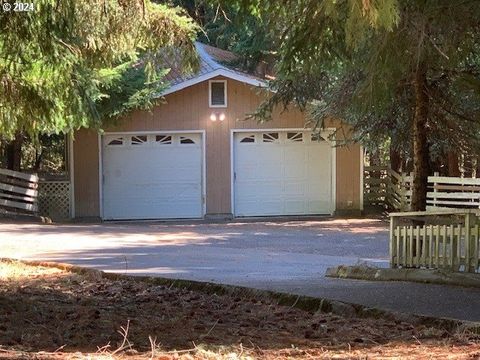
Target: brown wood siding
(188, 110)
(348, 178)
(85, 159)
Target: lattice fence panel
(54, 199)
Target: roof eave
(218, 72)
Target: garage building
(196, 156)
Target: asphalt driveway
(287, 256)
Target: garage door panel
(314, 205)
(246, 173)
(269, 171)
(247, 152)
(286, 176)
(295, 207)
(295, 188)
(144, 201)
(256, 208)
(295, 153)
(153, 180)
(162, 211)
(268, 153)
(315, 171)
(296, 170)
(267, 188)
(256, 172)
(152, 176)
(167, 191)
(160, 177)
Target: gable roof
(212, 62)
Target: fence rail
(436, 240)
(387, 188)
(18, 192)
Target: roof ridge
(209, 67)
(205, 56)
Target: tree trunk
(38, 161)
(14, 153)
(421, 151)
(395, 159)
(453, 166)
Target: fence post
(403, 195)
(469, 246)
(392, 243)
(387, 183)
(436, 173)
(409, 187)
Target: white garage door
(282, 173)
(152, 176)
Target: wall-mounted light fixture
(217, 116)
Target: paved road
(287, 256)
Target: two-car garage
(162, 175)
(199, 153)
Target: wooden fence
(453, 192)
(385, 187)
(435, 240)
(18, 192)
(54, 199)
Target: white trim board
(72, 174)
(219, 72)
(148, 132)
(362, 174)
(100, 175)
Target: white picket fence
(436, 240)
(18, 192)
(383, 186)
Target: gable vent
(218, 93)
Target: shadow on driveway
(287, 256)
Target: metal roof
(213, 61)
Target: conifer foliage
(71, 63)
(408, 70)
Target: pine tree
(406, 69)
(70, 63)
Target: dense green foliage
(357, 63)
(230, 27)
(406, 70)
(73, 63)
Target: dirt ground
(48, 313)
